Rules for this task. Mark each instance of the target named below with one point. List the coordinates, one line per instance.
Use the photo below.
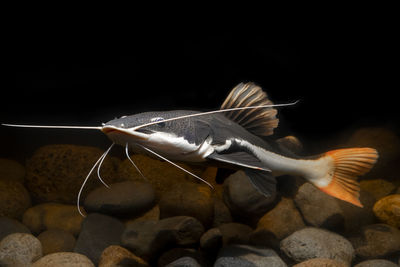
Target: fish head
(158, 131)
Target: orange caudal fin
(343, 167)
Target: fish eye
(161, 124)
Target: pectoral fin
(242, 159)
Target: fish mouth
(113, 130)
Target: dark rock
(184, 262)
(53, 216)
(124, 198)
(221, 213)
(119, 256)
(55, 172)
(98, 232)
(175, 254)
(211, 240)
(277, 224)
(10, 226)
(319, 262)
(376, 241)
(11, 170)
(55, 240)
(319, 209)
(376, 263)
(235, 233)
(309, 243)
(243, 199)
(19, 249)
(14, 199)
(188, 199)
(64, 259)
(147, 239)
(247, 256)
(387, 210)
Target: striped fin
(259, 121)
(347, 165)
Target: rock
(14, 199)
(53, 216)
(387, 210)
(55, 240)
(277, 224)
(221, 213)
(98, 232)
(376, 263)
(160, 174)
(309, 243)
(121, 199)
(11, 226)
(376, 241)
(290, 143)
(243, 199)
(19, 249)
(64, 259)
(319, 209)
(184, 262)
(119, 256)
(241, 255)
(147, 239)
(56, 172)
(318, 262)
(211, 240)
(152, 215)
(378, 188)
(188, 199)
(235, 233)
(11, 170)
(171, 256)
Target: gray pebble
(247, 256)
(19, 249)
(309, 243)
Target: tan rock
(387, 210)
(53, 216)
(14, 199)
(64, 259)
(55, 172)
(113, 255)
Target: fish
(236, 136)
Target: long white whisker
(213, 112)
(176, 165)
(101, 162)
(85, 181)
(133, 163)
(53, 126)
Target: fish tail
(337, 171)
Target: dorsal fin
(259, 121)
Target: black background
(66, 76)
